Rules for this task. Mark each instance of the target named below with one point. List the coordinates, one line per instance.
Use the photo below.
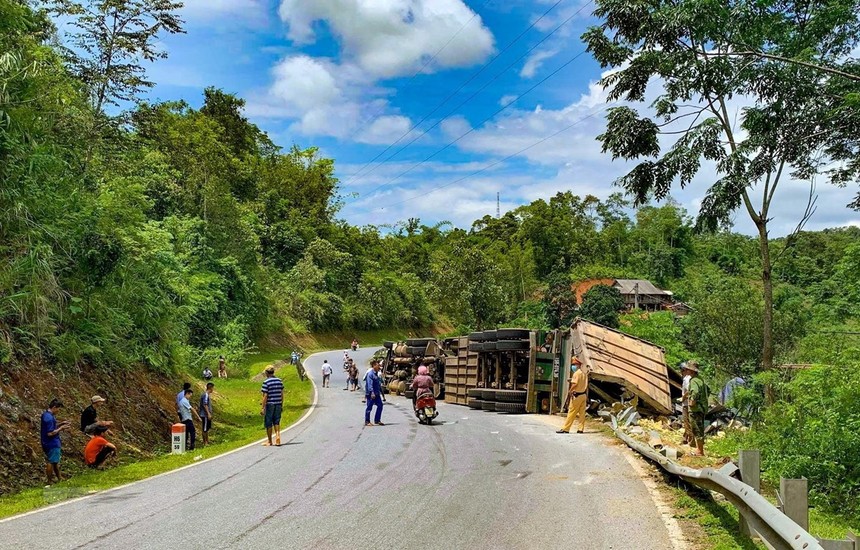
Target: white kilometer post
(178, 438)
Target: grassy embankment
(236, 419)
(236, 423)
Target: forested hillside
(159, 236)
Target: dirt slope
(140, 403)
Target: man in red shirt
(98, 449)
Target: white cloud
(455, 126)
(379, 39)
(388, 38)
(535, 62)
(326, 99)
(385, 129)
(305, 82)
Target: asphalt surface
(478, 480)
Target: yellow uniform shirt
(579, 382)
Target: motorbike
(425, 408)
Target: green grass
(718, 519)
(237, 422)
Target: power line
(505, 106)
(496, 163)
(482, 88)
(474, 75)
(375, 116)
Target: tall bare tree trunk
(767, 292)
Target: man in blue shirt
(373, 395)
(185, 387)
(50, 438)
(273, 401)
(185, 412)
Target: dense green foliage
(814, 432)
(602, 304)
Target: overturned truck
(623, 368)
(401, 361)
(519, 370)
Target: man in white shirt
(685, 403)
(326, 372)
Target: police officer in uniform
(577, 393)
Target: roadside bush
(813, 431)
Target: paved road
(478, 480)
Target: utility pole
(498, 206)
(636, 296)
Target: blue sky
(353, 76)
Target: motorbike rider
(420, 384)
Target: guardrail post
(749, 462)
(848, 543)
(794, 494)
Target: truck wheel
(516, 408)
(474, 393)
(512, 345)
(511, 396)
(474, 403)
(488, 395)
(489, 335)
(476, 337)
(419, 341)
(488, 405)
(476, 346)
(416, 350)
(490, 346)
(513, 334)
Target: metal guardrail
(776, 529)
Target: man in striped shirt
(273, 401)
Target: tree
(113, 38)
(243, 137)
(602, 304)
(785, 59)
(560, 300)
(466, 284)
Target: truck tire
(489, 335)
(475, 403)
(474, 393)
(512, 345)
(488, 405)
(489, 346)
(513, 334)
(515, 408)
(476, 346)
(419, 341)
(488, 395)
(511, 396)
(476, 337)
(416, 350)
(388, 344)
